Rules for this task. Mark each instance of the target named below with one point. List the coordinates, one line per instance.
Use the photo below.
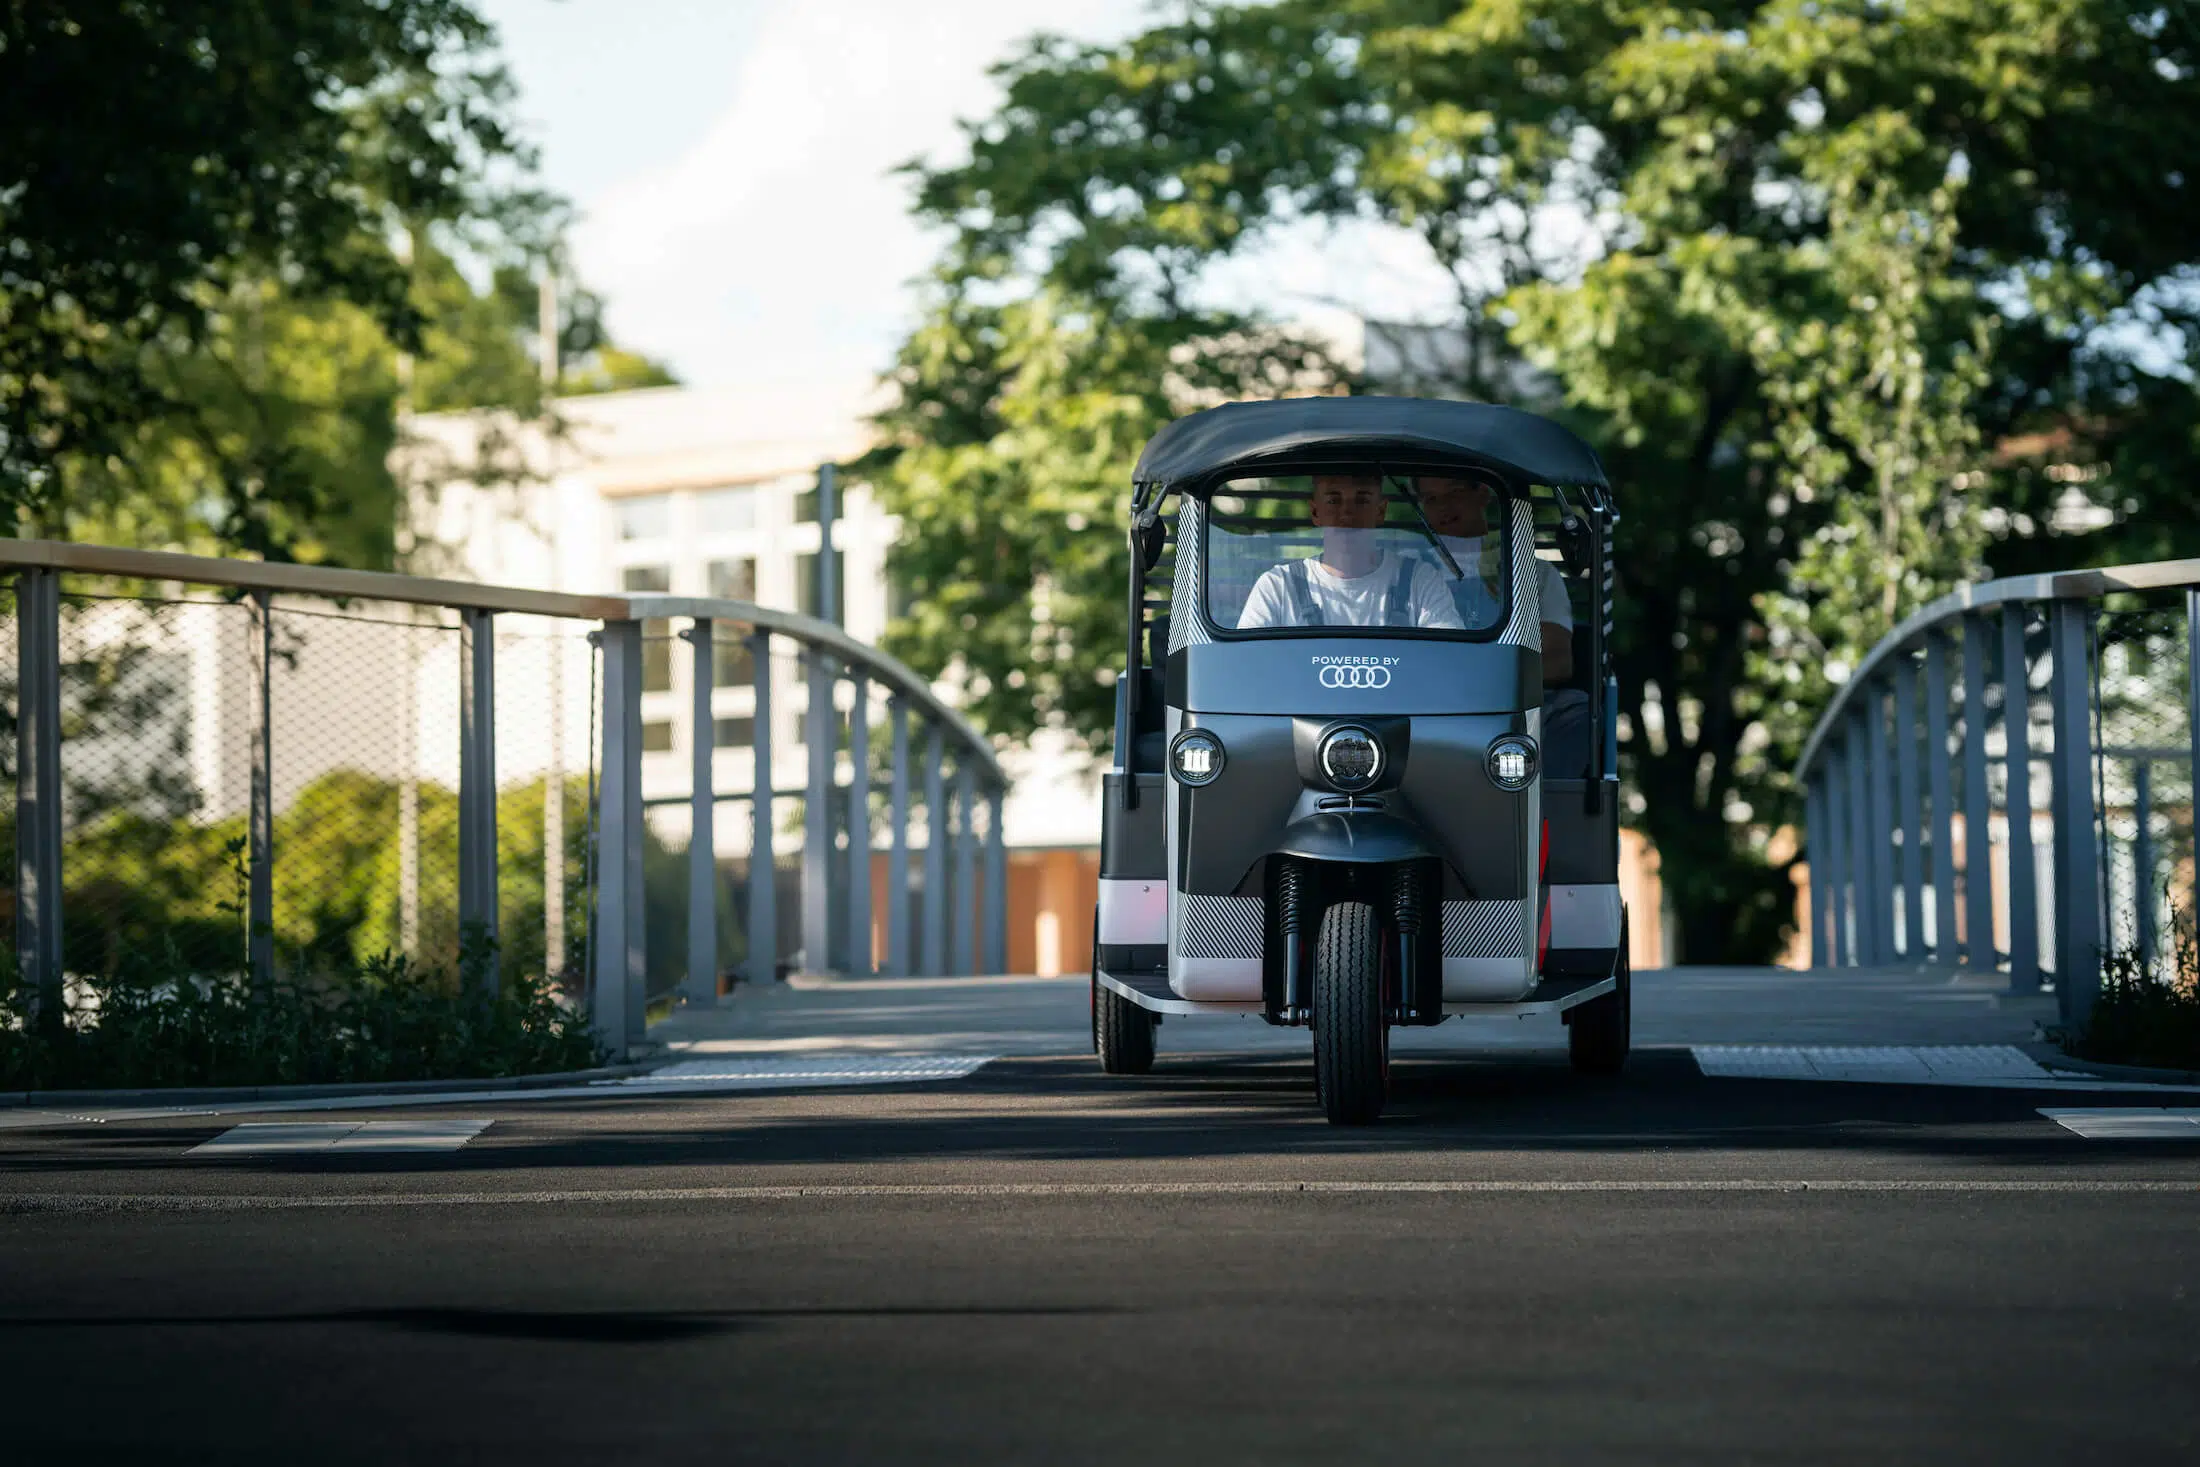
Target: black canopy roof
(1250, 436)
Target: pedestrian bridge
(2006, 783)
(255, 764)
(265, 764)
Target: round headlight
(1196, 757)
(1351, 757)
(1512, 762)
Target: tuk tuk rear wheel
(1600, 1032)
(1351, 1033)
(1123, 1031)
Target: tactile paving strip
(1950, 1064)
(765, 1072)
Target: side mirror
(1149, 538)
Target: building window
(733, 733)
(656, 659)
(840, 727)
(734, 580)
(646, 517)
(805, 589)
(732, 664)
(657, 737)
(646, 578)
(722, 511)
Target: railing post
(897, 859)
(1821, 868)
(964, 958)
(817, 824)
(701, 988)
(260, 881)
(1832, 808)
(38, 791)
(2016, 728)
(1879, 778)
(2142, 859)
(1913, 809)
(859, 826)
(477, 788)
(2077, 859)
(618, 937)
(1864, 945)
(2192, 731)
(1978, 809)
(996, 884)
(1940, 784)
(935, 856)
(763, 873)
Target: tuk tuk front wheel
(1124, 1033)
(1351, 1035)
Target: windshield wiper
(1413, 498)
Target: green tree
(238, 244)
(1808, 274)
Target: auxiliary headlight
(1512, 762)
(1196, 757)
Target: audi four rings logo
(1334, 676)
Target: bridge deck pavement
(1673, 1006)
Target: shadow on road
(1194, 1107)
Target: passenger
(1355, 582)
(1458, 510)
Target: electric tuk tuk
(1352, 786)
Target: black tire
(1124, 1032)
(1599, 1032)
(1351, 1037)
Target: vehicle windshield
(1361, 550)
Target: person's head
(1455, 505)
(1348, 501)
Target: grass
(2143, 1017)
(158, 1023)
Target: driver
(1355, 582)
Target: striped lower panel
(1485, 929)
(1220, 926)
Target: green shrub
(167, 1023)
(2145, 1018)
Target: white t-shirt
(1356, 601)
(1557, 610)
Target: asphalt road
(1040, 1264)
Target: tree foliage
(1848, 294)
(237, 241)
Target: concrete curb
(223, 1095)
(2054, 1059)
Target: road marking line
(2105, 1123)
(1999, 1065)
(259, 1138)
(79, 1203)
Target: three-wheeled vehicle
(1365, 749)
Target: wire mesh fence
(2144, 790)
(155, 780)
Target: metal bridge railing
(2007, 781)
(245, 765)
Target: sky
(732, 163)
